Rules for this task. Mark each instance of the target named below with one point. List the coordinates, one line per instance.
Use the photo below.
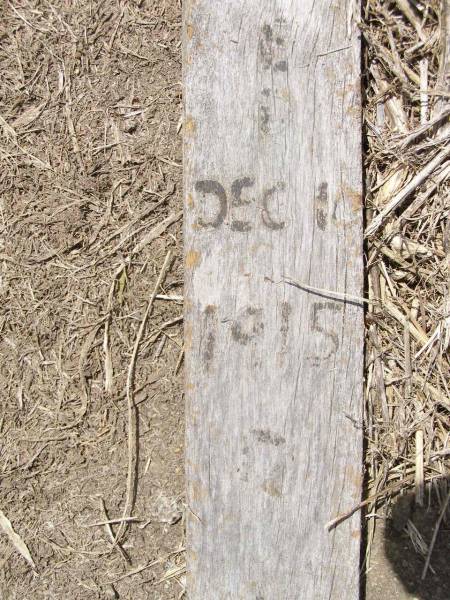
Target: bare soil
(90, 106)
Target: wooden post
(273, 189)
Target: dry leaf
(15, 539)
(28, 116)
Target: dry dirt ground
(91, 290)
(90, 106)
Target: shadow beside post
(408, 534)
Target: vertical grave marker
(273, 188)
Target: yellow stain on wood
(190, 201)
(330, 74)
(192, 259)
(190, 126)
(260, 246)
(269, 486)
(355, 199)
(355, 111)
(354, 476)
(196, 491)
(192, 420)
(192, 554)
(190, 31)
(350, 90)
(189, 574)
(193, 466)
(229, 517)
(284, 94)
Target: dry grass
(408, 251)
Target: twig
(423, 90)
(324, 292)
(419, 475)
(110, 533)
(407, 190)
(113, 522)
(391, 489)
(379, 375)
(85, 395)
(423, 128)
(114, 33)
(157, 231)
(435, 532)
(406, 9)
(136, 571)
(179, 361)
(130, 401)
(174, 298)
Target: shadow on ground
(408, 533)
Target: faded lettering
(322, 206)
(332, 345)
(248, 325)
(214, 188)
(236, 193)
(211, 187)
(268, 220)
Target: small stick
(423, 90)
(418, 202)
(113, 522)
(435, 532)
(110, 533)
(72, 131)
(414, 328)
(419, 473)
(160, 346)
(179, 361)
(424, 127)
(130, 400)
(332, 293)
(375, 280)
(136, 571)
(172, 298)
(408, 367)
(343, 517)
(109, 370)
(407, 190)
(379, 375)
(406, 9)
(116, 28)
(156, 232)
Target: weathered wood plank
(273, 373)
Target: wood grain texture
(272, 164)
